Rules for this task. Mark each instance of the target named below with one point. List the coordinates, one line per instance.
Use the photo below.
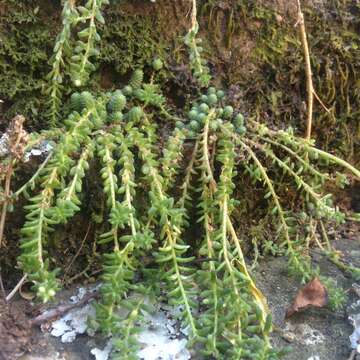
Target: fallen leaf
(312, 294)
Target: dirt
(15, 331)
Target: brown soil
(15, 331)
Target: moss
(129, 42)
(131, 38)
(251, 45)
(27, 36)
(265, 62)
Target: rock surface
(316, 334)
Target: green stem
(298, 179)
(34, 177)
(226, 255)
(335, 160)
(297, 157)
(128, 200)
(46, 195)
(206, 196)
(72, 189)
(112, 191)
(170, 233)
(188, 173)
(273, 194)
(92, 31)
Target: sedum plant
(62, 49)
(226, 313)
(155, 196)
(69, 59)
(80, 62)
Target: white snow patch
(163, 337)
(160, 339)
(4, 144)
(161, 347)
(81, 293)
(314, 357)
(355, 336)
(355, 320)
(43, 148)
(75, 321)
(312, 336)
(72, 324)
(102, 354)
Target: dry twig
(308, 72)
(61, 310)
(2, 289)
(17, 138)
(79, 250)
(193, 15)
(16, 288)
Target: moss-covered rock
(252, 46)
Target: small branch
(61, 310)
(78, 252)
(6, 199)
(308, 72)
(321, 102)
(193, 15)
(2, 289)
(17, 141)
(16, 288)
(33, 178)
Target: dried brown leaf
(312, 294)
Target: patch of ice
(354, 307)
(43, 148)
(186, 330)
(59, 328)
(354, 316)
(36, 152)
(72, 324)
(170, 329)
(81, 293)
(4, 144)
(158, 345)
(163, 338)
(158, 342)
(355, 336)
(102, 354)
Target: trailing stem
(169, 220)
(61, 49)
(206, 212)
(293, 257)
